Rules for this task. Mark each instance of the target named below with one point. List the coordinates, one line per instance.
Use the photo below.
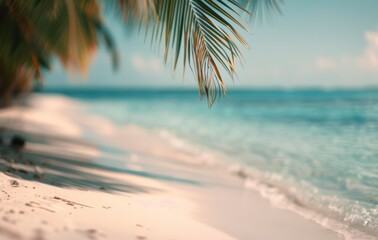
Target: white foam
(283, 199)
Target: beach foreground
(63, 186)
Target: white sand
(143, 194)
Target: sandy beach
(61, 185)
(188, 120)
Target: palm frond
(36, 31)
(264, 8)
(202, 31)
(203, 34)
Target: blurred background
(299, 124)
(321, 44)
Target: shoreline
(217, 206)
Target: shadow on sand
(61, 161)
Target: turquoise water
(319, 148)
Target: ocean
(311, 151)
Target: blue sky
(328, 44)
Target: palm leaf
(204, 34)
(39, 30)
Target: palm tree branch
(208, 30)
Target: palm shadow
(51, 160)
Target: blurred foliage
(203, 34)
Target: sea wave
(278, 193)
(350, 225)
(283, 196)
(349, 218)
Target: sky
(322, 44)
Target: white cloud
(323, 63)
(366, 62)
(369, 60)
(146, 64)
